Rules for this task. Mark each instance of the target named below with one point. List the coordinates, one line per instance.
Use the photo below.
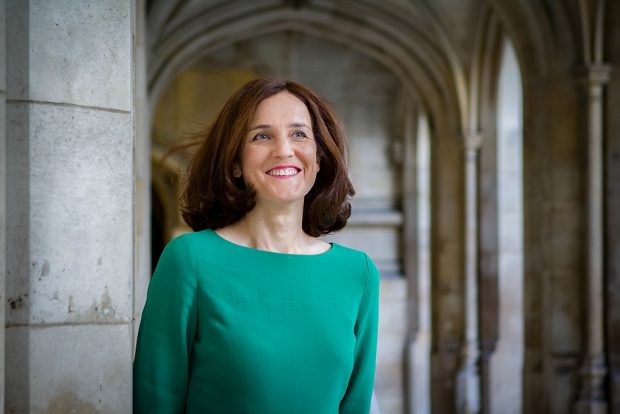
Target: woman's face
(279, 154)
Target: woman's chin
(281, 199)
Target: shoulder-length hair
(212, 197)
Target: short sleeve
(166, 334)
(359, 390)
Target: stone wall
(554, 248)
(447, 201)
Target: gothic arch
(428, 71)
(529, 27)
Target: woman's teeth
(283, 171)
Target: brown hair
(213, 198)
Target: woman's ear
(236, 171)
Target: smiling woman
(253, 313)
(279, 155)
(216, 195)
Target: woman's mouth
(283, 171)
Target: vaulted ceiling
(433, 47)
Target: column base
(592, 398)
(591, 407)
(468, 390)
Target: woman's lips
(283, 172)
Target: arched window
(507, 361)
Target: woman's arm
(359, 391)
(166, 335)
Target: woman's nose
(283, 148)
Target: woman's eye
(260, 137)
(299, 134)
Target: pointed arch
(506, 365)
(409, 51)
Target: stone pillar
(468, 381)
(2, 200)
(593, 398)
(69, 202)
(421, 361)
(142, 170)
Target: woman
(253, 313)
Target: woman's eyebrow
(261, 126)
(298, 125)
(292, 125)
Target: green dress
(231, 329)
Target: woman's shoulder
(348, 252)
(187, 244)
(355, 258)
(191, 239)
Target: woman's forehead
(283, 107)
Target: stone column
(2, 199)
(592, 397)
(421, 361)
(142, 170)
(468, 381)
(69, 206)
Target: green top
(231, 329)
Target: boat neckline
(240, 246)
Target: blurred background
(484, 148)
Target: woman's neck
(275, 229)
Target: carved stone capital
(473, 141)
(595, 74)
